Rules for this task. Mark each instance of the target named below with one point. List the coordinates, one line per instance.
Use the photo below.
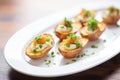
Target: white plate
(16, 58)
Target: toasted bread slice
(93, 35)
(40, 46)
(62, 31)
(71, 50)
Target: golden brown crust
(85, 18)
(63, 35)
(94, 35)
(39, 54)
(111, 20)
(73, 52)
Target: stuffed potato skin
(73, 51)
(62, 34)
(93, 35)
(111, 15)
(85, 15)
(32, 50)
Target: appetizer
(40, 46)
(72, 46)
(111, 15)
(66, 27)
(85, 15)
(92, 29)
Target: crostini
(66, 27)
(111, 15)
(72, 46)
(85, 15)
(40, 46)
(92, 29)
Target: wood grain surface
(12, 18)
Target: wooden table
(12, 18)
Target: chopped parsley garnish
(67, 45)
(82, 55)
(37, 39)
(34, 51)
(78, 44)
(78, 56)
(72, 36)
(48, 39)
(92, 24)
(74, 60)
(94, 46)
(104, 40)
(67, 23)
(53, 54)
(111, 9)
(40, 46)
(48, 62)
(87, 13)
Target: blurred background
(15, 14)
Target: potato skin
(71, 53)
(94, 36)
(39, 54)
(62, 35)
(111, 20)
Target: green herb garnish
(52, 54)
(78, 56)
(48, 62)
(78, 44)
(34, 51)
(67, 45)
(48, 39)
(82, 55)
(92, 24)
(37, 39)
(67, 23)
(94, 46)
(72, 36)
(74, 60)
(111, 9)
(40, 46)
(104, 40)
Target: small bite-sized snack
(85, 15)
(111, 15)
(66, 27)
(72, 46)
(40, 46)
(92, 29)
